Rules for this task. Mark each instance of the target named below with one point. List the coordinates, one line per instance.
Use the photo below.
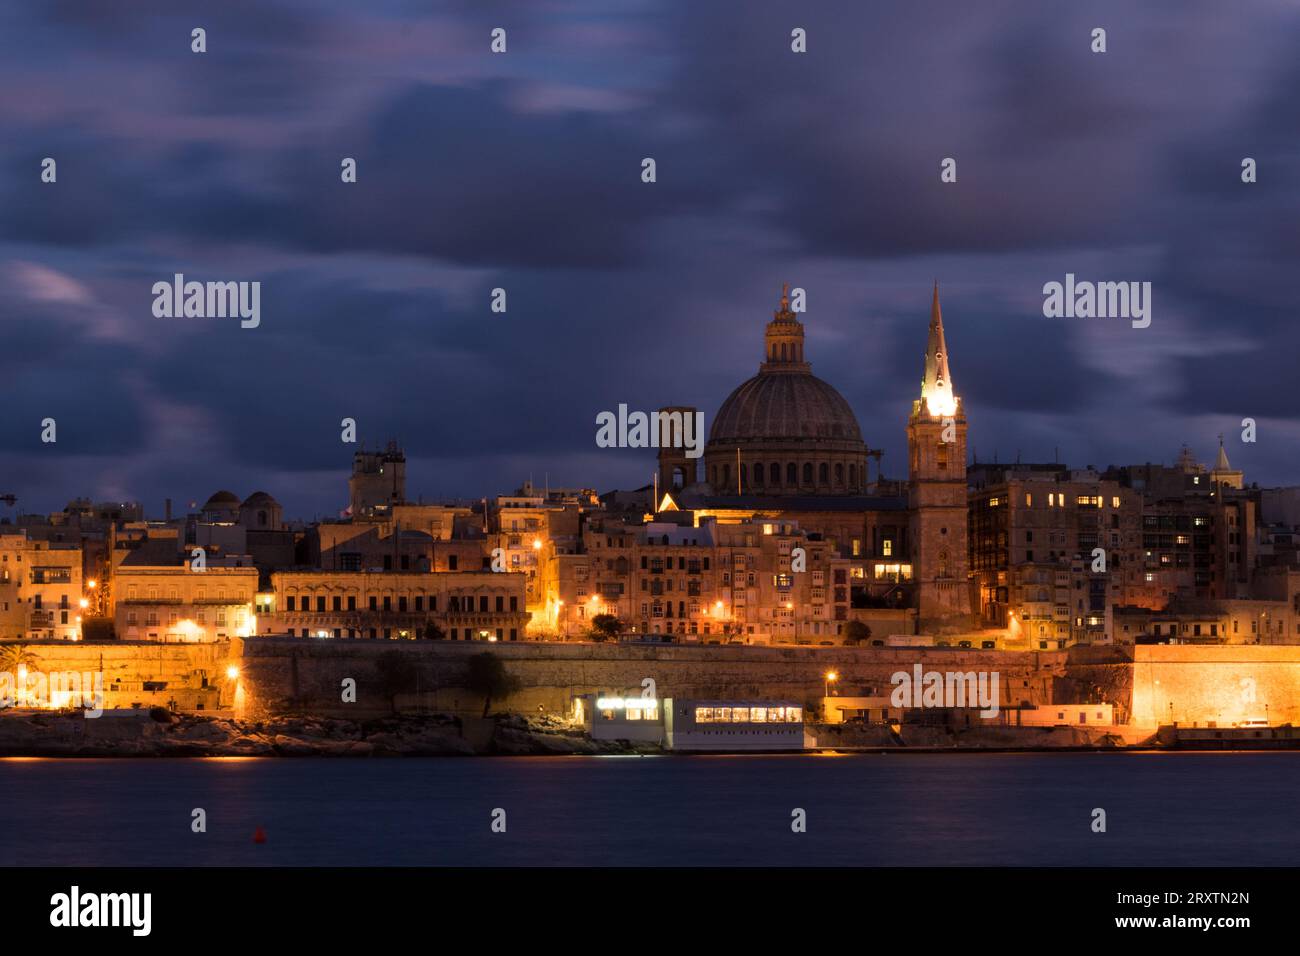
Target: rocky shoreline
(146, 735)
(160, 734)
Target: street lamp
(831, 678)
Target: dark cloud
(523, 171)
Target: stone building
(1034, 530)
(40, 588)
(178, 603)
(466, 605)
(1167, 534)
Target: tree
(606, 627)
(396, 676)
(13, 656)
(432, 632)
(486, 675)
(855, 632)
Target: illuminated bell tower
(936, 444)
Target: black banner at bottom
(647, 905)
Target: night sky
(522, 170)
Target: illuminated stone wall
(1195, 685)
(147, 673)
(284, 675)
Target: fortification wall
(1149, 685)
(286, 675)
(1226, 683)
(146, 673)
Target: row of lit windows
(455, 634)
(634, 713)
(1058, 500)
(748, 715)
(173, 594)
(454, 603)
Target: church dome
(222, 501)
(785, 431)
(785, 407)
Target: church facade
(786, 445)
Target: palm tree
(14, 659)
(13, 656)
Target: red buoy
(259, 835)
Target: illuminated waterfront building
(178, 604)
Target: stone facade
(286, 676)
(466, 605)
(40, 589)
(182, 605)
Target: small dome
(260, 499)
(222, 501)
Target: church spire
(937, 396)
(1222, 463)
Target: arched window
(853, 476)
(758, 473)
(839, 473)
(784, 354)
(824, 474)
(744, 475)
(807, 473)
(943, 564)
(791, 474)
(774, 473)
(726, 472)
